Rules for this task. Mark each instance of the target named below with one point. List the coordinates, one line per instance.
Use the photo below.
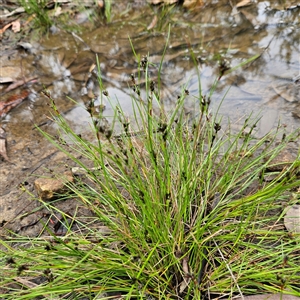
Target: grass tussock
(54, 14)
(181, 210)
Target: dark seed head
(126, 126)
(101, 129)
(162, 127)
(217, 127)
(48, 247)
(10, 260)
(21, 269)
(152, 86)
(47, 271)
(132, 78)
(108, 134)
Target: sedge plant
(181, 210)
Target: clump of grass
(181, 211)
(107, 10)
(43, 17)
(164, 14)
(39, 11)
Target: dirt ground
(20, 211)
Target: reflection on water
(214, 34)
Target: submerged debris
(12, 102)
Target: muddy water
(61, 62)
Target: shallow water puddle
(217, 33)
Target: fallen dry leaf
(3, 152)
(16, 11)
(16, 26)
(192, 3)
(244, 3)
(6, 79)
(4, 28)
(19, 83)
(153, 23)
(12, 101)
(92, 67)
